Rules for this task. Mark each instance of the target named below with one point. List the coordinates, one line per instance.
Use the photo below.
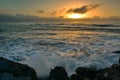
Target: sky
(60, 8)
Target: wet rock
(86, 72)
(76, 77)
(116, 52)
(10, 70)
(58, 73)
(112, 73)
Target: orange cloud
(83, 9)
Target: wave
(44, 46)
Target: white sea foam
(44, 46)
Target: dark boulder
(10, 70)
(58, 73)
(76, 77)
(116, 52)
(89, 73)
(112, 73)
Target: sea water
(44, 45)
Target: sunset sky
(61, 8)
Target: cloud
(61, 16)
(57, 12)
(40, 11)
(18, 17)
(62, 10)
(83, 9)
(54, 13)
(4, 17)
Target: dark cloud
(4, 17)
(83, 9)
(40, 11)
(57, 11)
(54, 13)
(62, 10)
(61, 16)
(18, 18)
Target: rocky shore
(83, 73)
(10, 70)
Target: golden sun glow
(75, 16)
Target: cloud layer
(83, 9)
(4, 17)
(18, 17)
(40, 11)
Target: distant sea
(44, 45)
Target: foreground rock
(58, 73)
(10, 70)
(84, 73)
(116, 52)
(111, 73)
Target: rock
(86, 72)
(76, 77)
(10, 70)
(112, 73)
(58, 73)
(116, 52)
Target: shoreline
(10, 70)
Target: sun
(75, 16)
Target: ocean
(71, 44)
